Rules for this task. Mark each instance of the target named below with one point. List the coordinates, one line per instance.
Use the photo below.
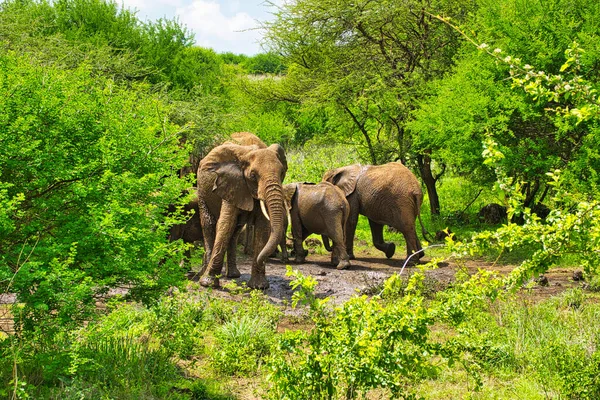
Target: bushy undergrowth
(400, 345)
(140, 352)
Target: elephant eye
(252, 175)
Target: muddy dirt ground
(370, 270)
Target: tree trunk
(424, 162)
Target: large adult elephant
(318, 208)
(239, 182)
(386, 194)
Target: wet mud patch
(368, 273)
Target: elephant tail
(326, 243)
(418, 201)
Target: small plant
(594, 284)
(573, 298)
(241, 345)
(362, 345)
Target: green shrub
(241, 345)
(92, 165)
(359, 346)
(309, 163)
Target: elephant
(240, 182)
(191, 230)
(247, 239)
(318, 208)
(386, 194)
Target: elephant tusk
(264, 210)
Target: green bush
(92, 166)
(241, 344)
(357, 347)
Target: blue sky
(223, 25)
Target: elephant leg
(419, 246)
(248, 233)
(208, 223)
(285, 258)
(225, 228)
(298, 238)
(326, 243)
(351, 230)
(339, 255)
(232, 269)
(377, 235)
(412, 242)
(258, 279)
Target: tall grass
(519, 348)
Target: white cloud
(236, 32)
(223, 25)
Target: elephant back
(247, 139)
(389, 189)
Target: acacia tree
(367, 61)
(476, 102)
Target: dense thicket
(477, 101)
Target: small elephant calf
(322, 209)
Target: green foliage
(241, 344)
(365, 62)
(354, 348)
(92, 187)
(309, 163)
(265, 63)
(476, 102)
(551, 342)
(148, 352)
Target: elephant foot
(343, 264)
(299, 260)
(260, 283)
(285, 260)
(391, 249)
(210, 281)
(412, 262)
(351, 256)
(233, 272)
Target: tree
(476, 102)
(368, 62)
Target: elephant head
(345, 177)
(248, 173)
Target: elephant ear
(289, 191)
(230, 183)
(344, 178)
(281, 156)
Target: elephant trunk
(274, 201)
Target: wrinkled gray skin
(246, 238)
(232, 178)
(318, 208)
(386, 194)
(191, 230)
